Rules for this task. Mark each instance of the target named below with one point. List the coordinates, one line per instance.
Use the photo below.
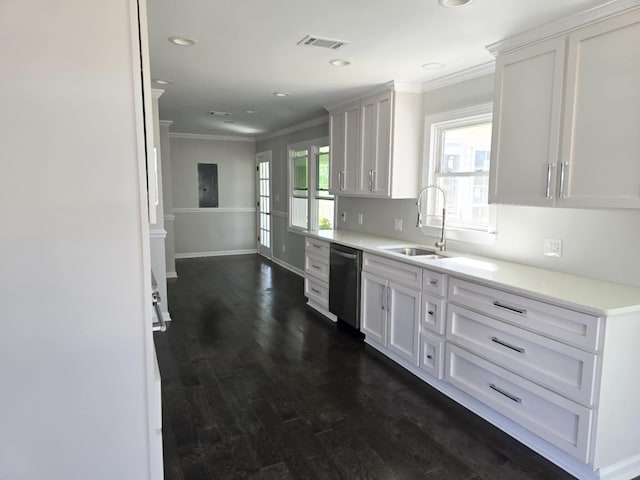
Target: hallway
(257, 386)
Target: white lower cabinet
(432, 354)
(316, 274)
(390, 316)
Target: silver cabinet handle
(160, 325)
(370, 179)
(388, 298)
(505, 393)
(342, 180)
(431, 312)
(373, 180)
(563, 167)
(508, 345)
(433, 282)
(521, 311)
(549, 167)
(429, 357)
(383, 294)
(316, 245)
(315, 290)
(316, 267)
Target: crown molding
(393, 85)
(564, 25)
(467, 74)
(314, 122)
(156, 93)
(202, 136)
(166, 123)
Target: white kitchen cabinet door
(403, 318)
(373, 315)
(376, 127)
(344, 126)
(526, 124)
(601, 144)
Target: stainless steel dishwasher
(344, 284)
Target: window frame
(434, 124)
(313, 146)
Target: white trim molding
(563, 25)
(220, 253)
(278, 213)
(172, 275)
(215, 210)
(393, 85)
(156, 93)
(202, 136)
(157, 233)
(169, 217)
(165, 123)
(314, 122)
(287, 266)
(481, 70)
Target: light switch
(553, 247)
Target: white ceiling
(247, 49)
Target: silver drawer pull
(431, 312)
(315, 290)
(316, 245)
(429, 357)
(505, 344)
(316, 267)
(521, 311)
(433, 282)
(506, 394)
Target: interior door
(263, 197)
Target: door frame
(261, 157)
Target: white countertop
(585, 294)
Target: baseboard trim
(219, 253)
(289, 267)
(323, 311)
(172, 274)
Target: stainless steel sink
(415, 252)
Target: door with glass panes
(263, 202)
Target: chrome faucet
(442, 243)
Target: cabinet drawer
(318, 248)
(317, 291)
(316, 267)
(403, 273)
(557, 420)
(434, 283)
(579, 329)
(432, 315)
(432, 355)
(564, 369)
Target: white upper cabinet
(375, 146)
(567, 117)
(344, 128)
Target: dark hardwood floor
(257, 386)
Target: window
(458, 161)
(309, 165)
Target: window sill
(462, 235)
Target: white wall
(209, 231)
(287, 247)
(596, 243)
(73, 245)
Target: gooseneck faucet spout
(442, 243)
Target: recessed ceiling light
(251, 112)
(454, 3)
(280, 94)
(182, 41)
(433, 66)
(338, 62)
(162, 81)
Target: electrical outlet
(552, 247)
(343, 217)
(360, 219)
(397, 224)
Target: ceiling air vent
(215, 113)
(316, 41)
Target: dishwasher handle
(350, 256)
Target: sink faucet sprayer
(442, 243)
